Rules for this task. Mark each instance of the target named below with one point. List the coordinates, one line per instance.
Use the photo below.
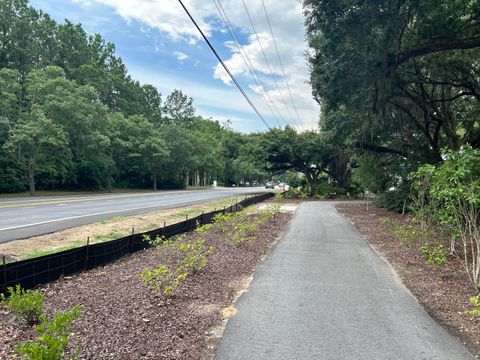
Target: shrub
(475, 300)
(406, 233)
(195, 255)
(53, 338)
(158, 240)
(187, 258)
(395, 200)
(434, 255)
(449, 194)
(294, 193)
(164, 279)
(26, 304)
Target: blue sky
(160, 46)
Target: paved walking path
(322, 293)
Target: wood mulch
(443, 291)
(123, 319)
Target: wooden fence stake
(86, 252)
(4, 272)
(130, 245)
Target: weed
(53, 338)
(385, 220)
(38, 253)
(112, 235)
(203, 228)
(434, 255)
(406, 233)
(27, 304)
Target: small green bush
(406, 233)
(186, 258)
(294, 193)
(27, 304)
(434, 255)
(53, 338)
(395, 200)
(475, 300)
(195, 255)
(164, 279)
(158, 240)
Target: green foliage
(72, 117)
(475, 300)
(434, 255)
(186, 258)
(158, 240)
(164, 279)
(43, 252)
(370, 174)
(53, 340)
(449, 194)
(203, 228)
(393, 78)
(295, 180)
(194, 255)
(27, 304)
(293, 193)
(395, 200)
(407, 233)
(309, 153)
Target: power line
(246, 59)
(226, 68)
(280, 60)
(266, 60)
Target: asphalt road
(322, 293)
(26, 217)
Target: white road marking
(112, 211)
(82, 216)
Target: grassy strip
(118, 233)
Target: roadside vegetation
(53, 331)
(105, 230)
(182, 288)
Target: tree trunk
(31, 177)
(154, 176)
(185, 180)
(109, 184)
(312, 182)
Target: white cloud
(181, 56)
(287, 21)
(164, 15)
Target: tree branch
(434, 47)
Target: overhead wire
(267, 62)
(227, 69)
(280, 60)
(251, 69)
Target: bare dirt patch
(442, 290)
(104, 230)
(124, 319)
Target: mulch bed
(442, 290)
(124, 319)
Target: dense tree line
(72, 117)
(397, 80)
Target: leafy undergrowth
(421, 258)
(130, 312)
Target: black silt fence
(41, 270)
